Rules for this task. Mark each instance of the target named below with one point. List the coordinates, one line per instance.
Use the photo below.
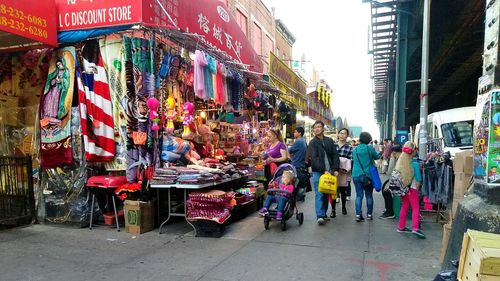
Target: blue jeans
(321, 199)
(368, 191)
(281, 200)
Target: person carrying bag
(365, 175)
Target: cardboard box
(461, 184)
(454, 207)
(459, 162)
(139, 217)
(469, 165)
(479, 257)
(446, 238)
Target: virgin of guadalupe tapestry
(55, 110)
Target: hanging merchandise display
(140, 86)
(95, 106)
(55, 110)
(113, 54)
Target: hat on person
(300, 130)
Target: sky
(334, 36)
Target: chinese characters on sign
(216, 33)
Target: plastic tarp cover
(81, 35)
(65, 195)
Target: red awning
(24, 24)
(209, 19)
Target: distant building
(355, 131)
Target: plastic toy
(171, 113)
(153, 105)
(188, 120)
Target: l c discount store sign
(288, 82)
(27, 23)
(208, 18)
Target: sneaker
(369, 217)
(333, 214)
(348, 198)
(404, 230)
(359, 218)
(321, 221)
(386, 215)
(279, 216)
(263, 212)
(344, 211)
(419, 234)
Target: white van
(453, 128)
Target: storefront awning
(26, 24)
(209, 20)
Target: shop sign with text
(85, 14)
(34, 20)
(280, 70)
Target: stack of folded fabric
(164, 176)
(212, 205)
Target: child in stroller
(283, 191)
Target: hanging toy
(153, 105)
(188, 120)
(171, 113)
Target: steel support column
(401, 72)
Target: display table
(184, 187)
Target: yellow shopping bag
(328, 184)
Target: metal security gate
(17, 202)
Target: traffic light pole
(424, 81)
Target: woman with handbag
(409, 168)
(363, 160)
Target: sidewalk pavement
(340, 250)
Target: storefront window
(257, 39)
(241, 19)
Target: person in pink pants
(411, 176)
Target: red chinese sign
(85, 14)
(208, 18)
(212, 20)
(27, 22)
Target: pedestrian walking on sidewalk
(298, 154)
(345, 153)
(409, 168)
(386, 154)
(363, 157)
(386, 192)
(323, 157)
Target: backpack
(396, 185)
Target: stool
(107, 183)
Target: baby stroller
(290, 207)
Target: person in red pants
(411, 176)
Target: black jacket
(315, 156)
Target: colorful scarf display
(95, 106)
(55, 110)
(139, 67)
